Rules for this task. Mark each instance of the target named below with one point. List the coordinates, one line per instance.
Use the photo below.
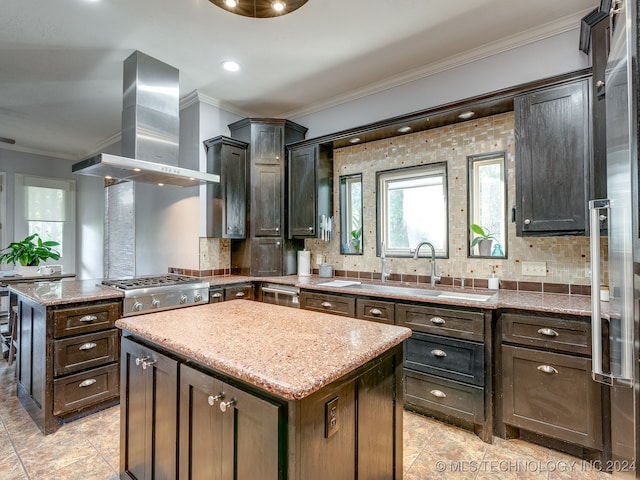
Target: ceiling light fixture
(230, 66)
(404, 129)
(466, 115)
(355, 140)
(259, 8)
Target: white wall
(545, 58)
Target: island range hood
(150, 130)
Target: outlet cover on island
(534, 269)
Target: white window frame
(21, 227)
(384, 179)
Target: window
(46, 206)
(412, 208)
(487, 204)
(351, 214)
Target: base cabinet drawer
(447, 397)
(336, 304)
(85, 319)
(375, 310)
(455, 359)
(85, 351)
(552, 394)
(87, 388)
(441, 321)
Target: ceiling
(61, 61)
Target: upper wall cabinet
(553, 154)
(310, 176)
(227, 200)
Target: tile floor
(88, 449)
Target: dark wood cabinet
(599, 53)
(67, 359)
(245, 290)
(226, 433)
(227, 200)
(148, 413)
(546, 385)
(267, 198)
(553, 155)
(375, 310)
(310, 179)
(328, 303)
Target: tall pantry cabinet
(266, 251)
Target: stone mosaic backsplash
(567, 258)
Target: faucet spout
(434, 278)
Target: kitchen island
(260, 390)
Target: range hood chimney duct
(150, 129)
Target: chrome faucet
(434, 278)
(384, 270)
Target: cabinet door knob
(212, 400)
(141, 360)
(438, 353)
(375, 312)
(547, 369)
(437, 320)
(88, 319)
(240, 294)
(438, 393)
(146, 364)
(88, 346)
(216, 295)
(87, 383)
(225, 405)
(527, 221)
(600, 83)
(548, 332)
(326, 305)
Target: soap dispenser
(494, 281)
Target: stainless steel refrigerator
(615, 326)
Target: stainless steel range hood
(150, 130)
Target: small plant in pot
(30, 251)
(484, 239)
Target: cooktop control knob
(137, 306)
(197, 297)
(183, 299)
(155, 303)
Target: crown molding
(36, 151)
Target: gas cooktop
(150, 281)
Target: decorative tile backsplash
(567, 258)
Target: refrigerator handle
(596, 319)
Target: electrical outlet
(331, 424)
(534, 269)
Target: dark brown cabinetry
(310, 180)
(546, 378)
(226, 433)
(245, 291)
(267, 198)
(148, 413)
(67, 361)
(227, 200)
(553, 155)
(328, 303)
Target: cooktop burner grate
(150, 281)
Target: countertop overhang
(287, 352)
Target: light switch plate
(331, 424)
(534, 269)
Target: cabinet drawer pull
(240, 294)
(438, 393)
(88, 318)
(375, 312)
(88, 346)
(225, 405)
(437, 321)
(216, 295)
(438, 353)
(326, 305)
(141, 360)
(547, 369)
(87, 383)
(212, 400)
(548, 332)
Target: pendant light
(259, 8)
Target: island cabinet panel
(148, 413)
(553, 151)
(67, 359)
(242, 441)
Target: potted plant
(484, 239)
(356, 239)
(30, 251)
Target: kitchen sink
(423, 292)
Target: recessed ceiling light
(466, 115)
(404, 129)
(161, 184)
(230, 66)
(137, 170)
(355, 140)
(231, 3)
(108, 177)
(278, 5)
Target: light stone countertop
(49, 293)
(285, 351)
